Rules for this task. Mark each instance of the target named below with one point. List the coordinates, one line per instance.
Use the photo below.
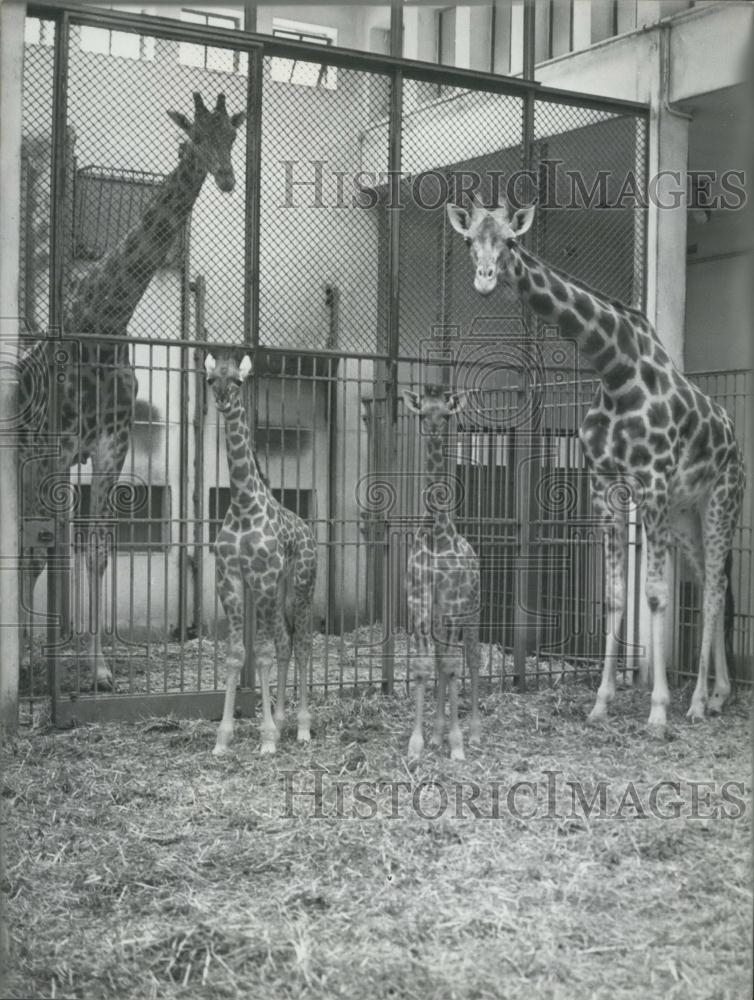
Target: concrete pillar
(11, 70)
(666, 263)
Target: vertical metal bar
(183, 451)
(389, 382)
(250, 17)
(529, 29)
(200, 411)
(57, 554)
(254, 93)
(396, 30)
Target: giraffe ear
(238, 118)
(209, 363)
(521, 220)
(412, 401)
(244, 368)
(459, 219)
(180, 120)
(455, 401)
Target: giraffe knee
(657, 595)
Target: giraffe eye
(467, 240)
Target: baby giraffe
(443, 584)
(269, 549)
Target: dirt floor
(140, 866)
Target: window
(142, 515)
(107, 205)
(299, 501)
(305, 74)
(124, 44)
(38, 32)
(209, 56)
(446, 36)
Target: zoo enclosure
(342, 299)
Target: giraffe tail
(730, 610)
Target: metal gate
(332, 264)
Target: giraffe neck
(107, 296)
(436, 466)
(612, 338)
(247, 489)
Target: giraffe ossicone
(266, 547)
(648, 424)
(443, 583)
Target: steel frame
(257, 46)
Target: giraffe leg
(718, 525)
(438, 731)
(686, 527)
(302, 649)
(473, 663)
(97, 558)
(449, 662)
(721, 690)
(108, 457)
(615, 602)
(267, 730)
(283, 656)
(230, 590)
(32, 569)
(656, 530)
(422, 667)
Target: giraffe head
(434, 407)
(226, 374)
(488, 234)
(212, 134)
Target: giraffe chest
(444, 576)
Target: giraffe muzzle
(485, 280)
(225, 180)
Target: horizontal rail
(129, 708)
(311, 52)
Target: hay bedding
(139, 866)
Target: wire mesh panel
(130, 156)
(323, 178)
(591, 221)
(453, 140)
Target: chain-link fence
(329, 259)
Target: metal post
(11, 63)
(389, 380)
(198, 287)
(58, 553)
(251, 291)
(396, 30)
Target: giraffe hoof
(415, 747)
(219, 751)
(267, 748)
(696, 712)
(304, 736)
(436, 741)
(597, 714)
(457, 754)
(716, 704)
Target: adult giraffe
(648, 428)
(98, 387)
